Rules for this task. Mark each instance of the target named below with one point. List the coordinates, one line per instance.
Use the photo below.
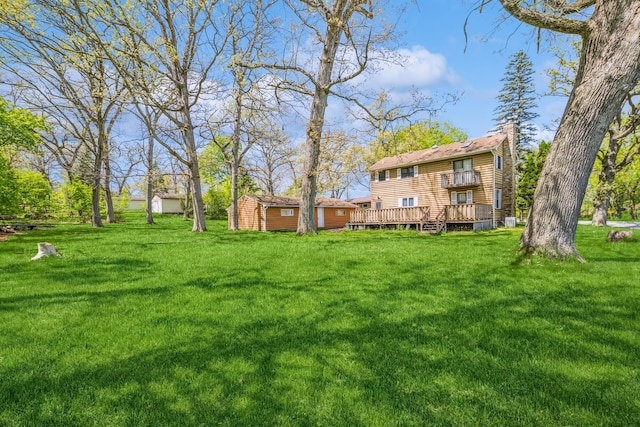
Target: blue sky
(435, 41)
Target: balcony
(460, 179)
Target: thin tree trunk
(96, 220)
(609, 69)
(108, 196)
(234, 194)
(149, 190)
(602, 199)
(187, 198)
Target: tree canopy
(19, 127)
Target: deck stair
(434, 225)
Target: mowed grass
(155, 325)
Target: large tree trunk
(306, 219)
(235, 161)
(191, 149)
(609, 69)
(198, 205)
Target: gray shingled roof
(457, 149)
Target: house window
(461, 197)
(498, 162)
(409, 172)
(286, 212)
(407, 202)
(462, 165)
(382, 176)
(379, 204)
(341, 212)
(497, 201)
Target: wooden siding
(331, 220)
(427, 186)
(249, 215)
(275, 220)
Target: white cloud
(418, 68)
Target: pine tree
(517, 100)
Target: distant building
(167, 203)
(270, 213)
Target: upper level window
(409, 172)
(406, 172)
(498, 162)
(382, 176)
(462, 165)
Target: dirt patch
(6, 231)
(4, 235)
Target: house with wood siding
(465, 185)
(275, 213)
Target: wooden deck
(423, 218)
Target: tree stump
(45, 249)
(618, 236)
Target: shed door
(320, 217)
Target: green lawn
(155, 325)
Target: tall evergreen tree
(517, 100)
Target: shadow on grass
(474, 358)
(26, 302)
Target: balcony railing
(422, 214)
(460, 179)
(412, 215)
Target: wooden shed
(167, 203)
(272, 213)
(136, 203)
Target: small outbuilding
(363, 202)
(276, 213)
(167, 203)
(136, 203)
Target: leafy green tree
(517, 100)
(532, 163)
(19, 127)
(417, 136)
(216, 172)
(34, 192)
(218, 197)
(77, 198)
(9, 196)
(626, 190)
